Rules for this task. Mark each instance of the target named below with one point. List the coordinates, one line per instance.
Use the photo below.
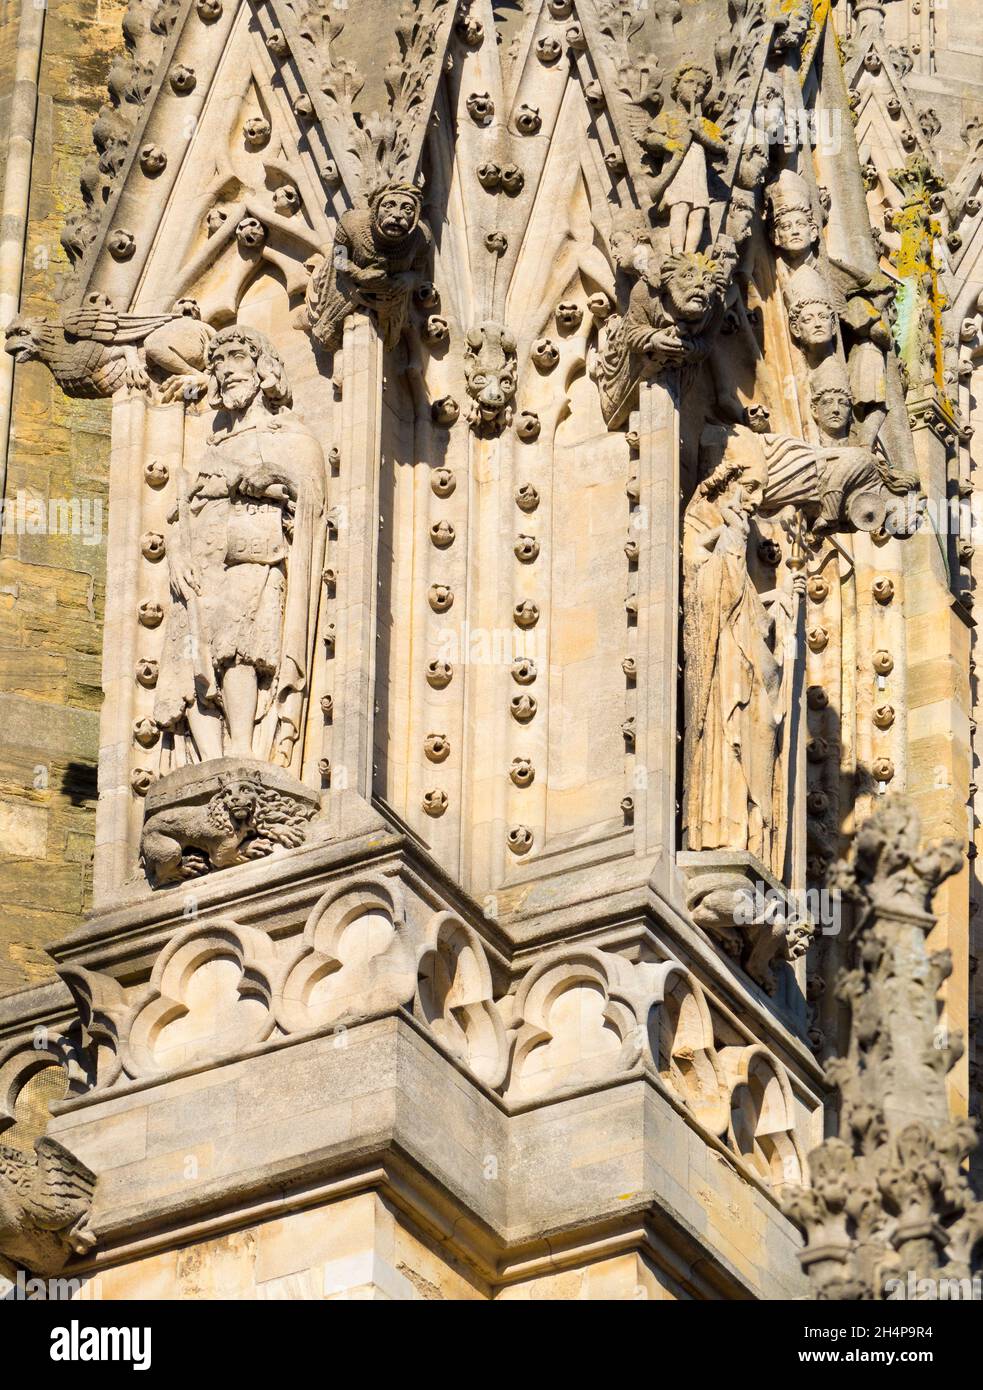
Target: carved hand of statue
(187, 387)
(185, 580)
(736, 529)
(265, 482)
(665, 343)
(368, 277)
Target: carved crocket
(45, 1201)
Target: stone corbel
(744, 908)
(45, 1201)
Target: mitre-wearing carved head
(811, 315)
(241, 363)
(791, 217)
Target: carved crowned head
(395, 209)
(242, 364)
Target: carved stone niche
(213, 815)
(746, 910)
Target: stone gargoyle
(379, 255)
(491, 374)
(45, 1200)
(94, 351)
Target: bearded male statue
(245, 553)
(379, 256)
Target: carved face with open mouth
(21, 342)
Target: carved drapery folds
(889, 1202)
(245, 551)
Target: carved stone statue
(792, 221)
(736, 695)
(245, 552)
(673, 309)
(889, 1201)
(45, 1202)
(95, 351)
(669, 314)
(490, 370)
(680, 143)
(379, 255)
(868, 340)
(243, 820)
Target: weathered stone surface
(511, 432)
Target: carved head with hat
(395, 209)
(791, 216)
(811, 315)
(831, 398)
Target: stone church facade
(487, 665)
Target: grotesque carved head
(242, 363)
(395, 209)
(23, 339)
(690, 283)
(239, 798)
(491, 373)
